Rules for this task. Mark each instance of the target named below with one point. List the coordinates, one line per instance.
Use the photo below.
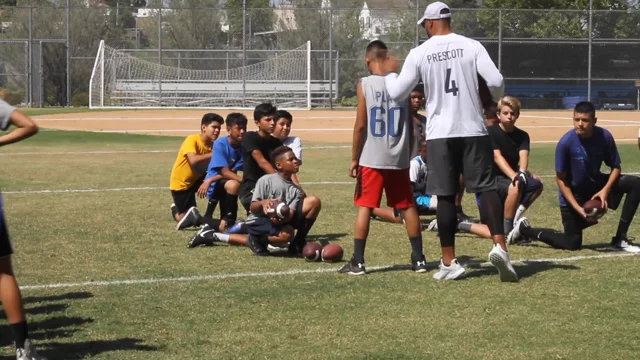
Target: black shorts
(503, 183)
(262, 226)
(218, 190)
(245, 193)
(185, 199)
(5, 242)
(471, 157)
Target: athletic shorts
(6, 249)
(185, 199)
(371, 182)
(262, 226)
(245, 193)
(216, 191)
(503, 183)
(448, 158)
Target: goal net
(121, 80)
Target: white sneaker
(451, 272)
(500, 259)
(28, 353)
(516, 233)
(433, 225)
(625, 245)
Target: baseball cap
(436, 11)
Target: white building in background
(378, 17)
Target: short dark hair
(419, 88)
(585, 107)
(264, 109)
(211, 117)
(284, 114)
(236, 119)
(278, 153)
(377, 49)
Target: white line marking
(137, 151)
(288, 272)
(71, 191)
(569, 118)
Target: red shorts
(395, 183)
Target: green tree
(259, 19)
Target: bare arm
(25, 128)
(399, 86)
(257, 207)
(524, 159)
(264, 164)
(502, 164)
(359, 131)
(199, 163)
(561, 180)
(228, 174)
(490, 73)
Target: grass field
(105, 276)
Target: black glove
(521, 177)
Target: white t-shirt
(449, 66)
(295, 144)
(5, 114)
(418, 175)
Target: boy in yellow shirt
(189, 170)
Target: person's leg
(308, 213)
(629, 185)
(368, 194)
(511, 201)
(397, 187)
(188, 215)
(479, 178)
(571, 239)
(481, 230)
(229, 205)
(531, 192)
(10, 294)
(245, 194)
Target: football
(332, 253)
(278, 209)
(593, 208)
(312, 251)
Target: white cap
(436, 11)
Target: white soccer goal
(121, 80)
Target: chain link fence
(548, 57)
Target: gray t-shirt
(5, 114)
(274, 186)
(388, 143)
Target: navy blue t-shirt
(581, 159)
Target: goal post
(121, 80)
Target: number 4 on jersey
(450, 85)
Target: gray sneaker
(190, 219)
(28, 353)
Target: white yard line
(138, 151)
(184, 279)
(143, 188)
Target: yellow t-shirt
(182, 175)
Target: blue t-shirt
(581, 159)
(223, 155)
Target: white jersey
(418, 175)
(449, 66)
(295, 144)
(388, 142)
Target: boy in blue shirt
(579, 157)
(222, 181)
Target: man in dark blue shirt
(579, 157)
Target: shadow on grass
(57, 327)
(324, 239)
(523, 271)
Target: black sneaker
(419, 265)
(258, 245)
(205, 237)
(190, 219)
(352, 268)
(463, 217)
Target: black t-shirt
(251, 171)
(509, 144)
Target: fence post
(590, 50)
(30, 51)
(244, 51)
(500, 40)
(68, 52)
(330, 58)
(160, 57)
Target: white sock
(519, 212)
(223, 237)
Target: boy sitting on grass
(264, 230)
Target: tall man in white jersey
(457, 138)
